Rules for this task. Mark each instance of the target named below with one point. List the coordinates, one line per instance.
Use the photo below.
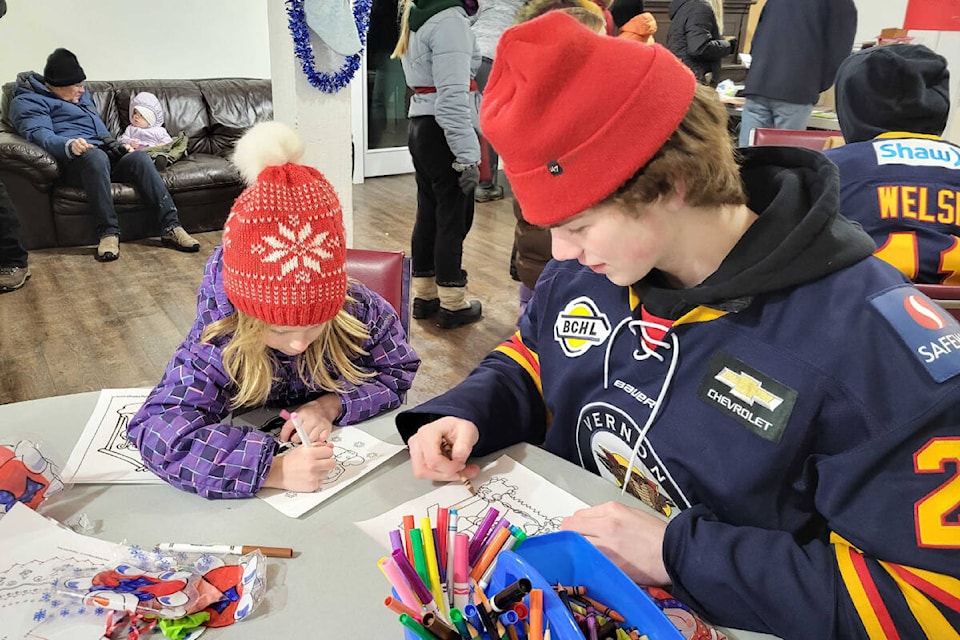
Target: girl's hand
(317, 418)
(428, 446)
(301, 469)
(631, 538)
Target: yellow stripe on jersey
(700, 314)
(514, 349)
(933, 623)
(862, 591)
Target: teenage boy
(713, 335)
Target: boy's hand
(428, 444)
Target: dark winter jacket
(694, 37)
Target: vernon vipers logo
(580, 326)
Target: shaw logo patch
(750, 397)
(917, 153)
(580, 326)
(932, 334)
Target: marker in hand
(298, 425)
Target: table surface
(332, 580)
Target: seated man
(718, 341)
(897, 178)
(54, 112)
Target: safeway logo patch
(579, 326)
(928, 331)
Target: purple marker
(416, 583)
(396, 539)
(476, 543)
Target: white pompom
(266, 144)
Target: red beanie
(574, 114)
(284, 245)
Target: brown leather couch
(213, 113)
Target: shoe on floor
(177, 238)
(12, 278)
(488, 194)
(108, 249)
(423, 309)
(451, 319)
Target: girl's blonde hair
(536, 8)
(403, 43)
(251, 364)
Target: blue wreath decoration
(326, 82)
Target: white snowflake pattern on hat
(294, 248)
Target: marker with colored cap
(419, 587)
(298, 425)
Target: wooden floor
(80, 325)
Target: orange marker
(408, 525)
(536, 615)
(398, 607)
(488, 555)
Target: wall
(130, 39)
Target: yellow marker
(433, 569)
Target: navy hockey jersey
(905, 190)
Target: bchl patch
(579, 326)
(932, 334)
(750, 397)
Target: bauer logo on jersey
(580, 326)
(917, 153)
(750, 397)
(932, 334)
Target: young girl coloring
(277, 324)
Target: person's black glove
(113, 148)
(733, 45)
(469, 179)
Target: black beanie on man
(895, 87)
(62, 69)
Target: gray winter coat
(443, 54)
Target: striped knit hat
(284, 245)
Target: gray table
(332, 587)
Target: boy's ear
(678, 197)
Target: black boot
(455, 310)
(423, 309)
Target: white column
(321, 119)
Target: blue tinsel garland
(326, 82)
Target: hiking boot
(488, 194)
(452, 319)
(108, 249)
(177, 238)
(423, 309)
(12, 278)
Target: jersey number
(936, 515)
(901, 251)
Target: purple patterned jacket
(183, 432)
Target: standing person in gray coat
(440, 60)
(493, 18)
(796, 49)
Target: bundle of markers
(440, 577)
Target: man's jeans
(92, 171)
(767, 113)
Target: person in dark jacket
(714, 338)
(694, 37)
(55, 112)
(795, 51)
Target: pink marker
(393, 574)
(461, 588)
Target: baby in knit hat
(146, 123)
(278, 324)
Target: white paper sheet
(357, 452)
(103, 453)
(526, 499)
(35, 550)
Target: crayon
(570, 591)
(452, 522)
(511, 594)
(476, 543)
(439, 628)
(602, 609)
(461, 586)
(399, 583)
(416, 627)
(489, 553)
(592, 622)
(446, 448)
(433, 572)
(408, 526)
(398, 607)
(442, 517)
(456, 617)
(536, 614)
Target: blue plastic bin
(568, 558)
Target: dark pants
(92, 171)
(444, 212)
(488, 155)
(11, 251)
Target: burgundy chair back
(810, 138)
(387, 273)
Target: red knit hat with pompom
(574, 114)
(284, 244)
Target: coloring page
(526, 499)
(36, 550)
(357, 453)
(103, 453)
